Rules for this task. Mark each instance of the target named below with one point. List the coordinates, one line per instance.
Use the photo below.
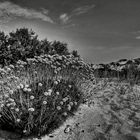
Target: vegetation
(24, 43)
(40, 93)
(42, 84)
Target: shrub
(39, 108)
(45, 92)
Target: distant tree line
(24, 43)
(129, 71)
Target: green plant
(47, 91)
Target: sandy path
(86, 117)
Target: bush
(39, 108)
(37, 96)
(24, 43)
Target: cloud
(65, 17)
(82, 10)
(8, 10)
(138, 37)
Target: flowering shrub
(40, 107)
(46, 90)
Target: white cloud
(138, 37)
(83, 9)
(65, 17)
(8, 10)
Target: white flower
(75, 103)
(65, 113)
(40, 84)
(11, 91)
(46, 93)
(65, 99)
(44, 102)
(13, 103)
(25, 89)
(31, 109)
(69, 107)
(17, 110)
(56, 82)
(21, 85)
(24, 131)
(29, 90)
(71, 103)
(70, 86)
(2, 105)
(57, 93)
(55, 72)
(18, 120)
(6, 96)
(26, 86)
(32, 97)
(50, 90)
(8, 105)
(11, 100)
(18, 87)
(58, 108)
(61, 103)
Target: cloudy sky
(101, 30)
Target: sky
(101, 30)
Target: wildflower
(44, 102)
(18, 120)
(58, 108)
(32, 97)
(17, 110)
(11, 100)
(24, 131)
(31, 109)
(65, 114)
(57, 93)
(6, 96)
(75, 103)
(25, 89)
(14, 104)
(2, 105)
(71, 103)
(26, 86)
(55, 72)
(29, 90)
(69, 107)
(50, 90)
(46, 94)
(35, 72)
(61, 103)
(12, 66)
(21, 85)
(8, 105)
(40, 84)
(56, 82)
(11, 91)
(70, 86)
(65, 99)
(12, 108)
(18, 87)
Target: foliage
(38, 95)
(24, 43)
